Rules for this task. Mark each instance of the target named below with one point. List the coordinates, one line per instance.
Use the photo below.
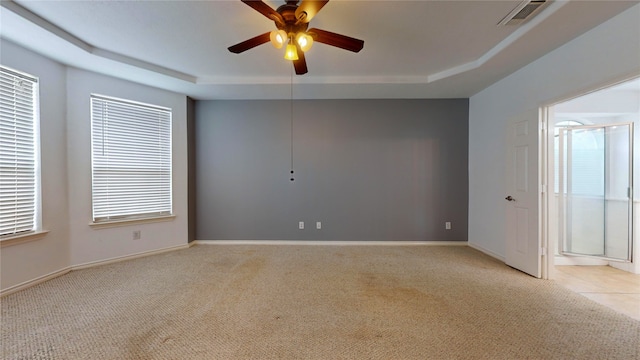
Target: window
(19, 153)
(131, 159)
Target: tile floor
(617, 289)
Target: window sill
(129, 222)
(23, 238)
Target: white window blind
(18, 153)
(131, 159)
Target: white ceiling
(413, 49)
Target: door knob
(509, 198)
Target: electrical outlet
(447, 225)
(301, 225)
(137, 235)
(318, 225)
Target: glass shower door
(595, 185)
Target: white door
(523, 249)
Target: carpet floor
(310, 302)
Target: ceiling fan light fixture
(292, 29)
(278, 38)
(305, 41)
(291, 53)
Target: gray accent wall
(368, 170)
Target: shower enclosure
(595, 187)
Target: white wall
(87, 244)
(27, 261)
(66, 174)
(606, 54)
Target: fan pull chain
(291, 128)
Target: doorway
(592, 164)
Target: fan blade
(308, 9)
(265, 10)
(301, 64)
(250, 44)
(337, 40)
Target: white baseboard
(41, 279)
(559, 260)
(487, 252)
(36, 281)
(628, 267)
(329, 243)
(128, 257)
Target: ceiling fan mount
(292, 24)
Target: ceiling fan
(292, 22)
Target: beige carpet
(310, 302)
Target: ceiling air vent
(523, 12)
